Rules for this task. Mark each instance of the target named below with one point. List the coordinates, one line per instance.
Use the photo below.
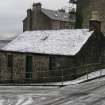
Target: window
(52, 62)
(0, 64)
(10, 61)
(29, 67)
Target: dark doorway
(28, 67)
(10, 66)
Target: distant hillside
(5, 39)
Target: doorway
(28, 67)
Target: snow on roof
(59, 42)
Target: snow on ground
(26, 95)
(89, 93)
(85, 77)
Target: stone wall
(40, 68)
(40, 21)
(62, 25)
(62, 65)
(44, 67)
(55, 24)
(5, 73)
(92, 54)
(37, 20)
(17, 71)
(19, 67)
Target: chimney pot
(37, 6)
(29, 12)
(95, 22)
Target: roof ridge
(49, 9)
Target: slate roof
(57, 42)
(58, 15)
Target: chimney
(95, 22)
(29, 12)
(29, 19)
(72, 14)
(37, 6)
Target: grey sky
(12, 12)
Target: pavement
(88, 93)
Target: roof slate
(57, 42)
(58, 15)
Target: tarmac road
(89, 93)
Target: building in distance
(39, 18)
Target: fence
(57, 75)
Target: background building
(44, 19)
(84, 10)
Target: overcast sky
(12, 12)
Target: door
(28, 67)
(10, 66)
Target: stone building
(52, 55)
(84, 9)
(45, 56)
(39, 18)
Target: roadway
(89, 93)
